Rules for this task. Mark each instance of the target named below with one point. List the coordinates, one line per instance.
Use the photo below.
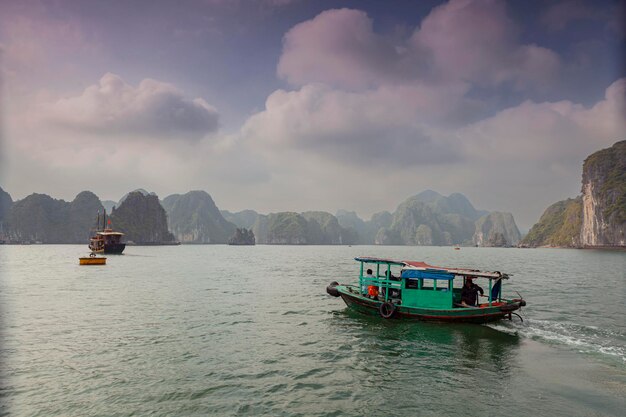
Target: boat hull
(114, 248)
(109, 248)
(457, 315)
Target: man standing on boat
(469, 293)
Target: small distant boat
(457, 248)
(105, 240)
(92, 260)
(424, 292)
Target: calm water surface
(221, 330)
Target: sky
(287, 105)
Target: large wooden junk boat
(425, 292)
(104, 239)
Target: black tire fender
(331, 290)
(521, 301)
(509, 307)
(387, 310)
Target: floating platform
(93, 260)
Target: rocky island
(142, 219)
(242, 237)
(39, 218)
(596, 218)
(193, 217)
(427, 218)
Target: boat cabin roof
(106, 233)
(370, 260)
(423, 266)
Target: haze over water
(222, 330)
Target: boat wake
(585, 339)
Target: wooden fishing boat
(425, 292)
(104, 239)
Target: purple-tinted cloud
(476, 41)
(463, 40)
(153, 109)
(338, 47)
(559, 15)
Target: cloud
(338, 47)
(560, 131)
(476, 41)
(113, 107)
(385, 126)
(365, 96)
(559, 15)
(462, 40)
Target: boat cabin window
(429, 284)
(412, 283)
(458, 282)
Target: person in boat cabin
(390, 276)
(368, 276)
(469, 293)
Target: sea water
(250, 330)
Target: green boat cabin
(416, 284)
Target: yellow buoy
(93, 260)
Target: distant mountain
(597, 218)
(362, 232)
(138, 190)
(378, 229)
(440, 222)
(168, 202)
(108, 205)
(350, 219)
(309, 228)
(427, 218)
(243, 219)
(558, 226)
(40, 218)
(142, 218)
(496, 229)
(5, 206)
(194, 218)
(430, 218)
(285, 228)
(324, 229)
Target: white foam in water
(586, 339)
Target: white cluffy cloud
(153, 108)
